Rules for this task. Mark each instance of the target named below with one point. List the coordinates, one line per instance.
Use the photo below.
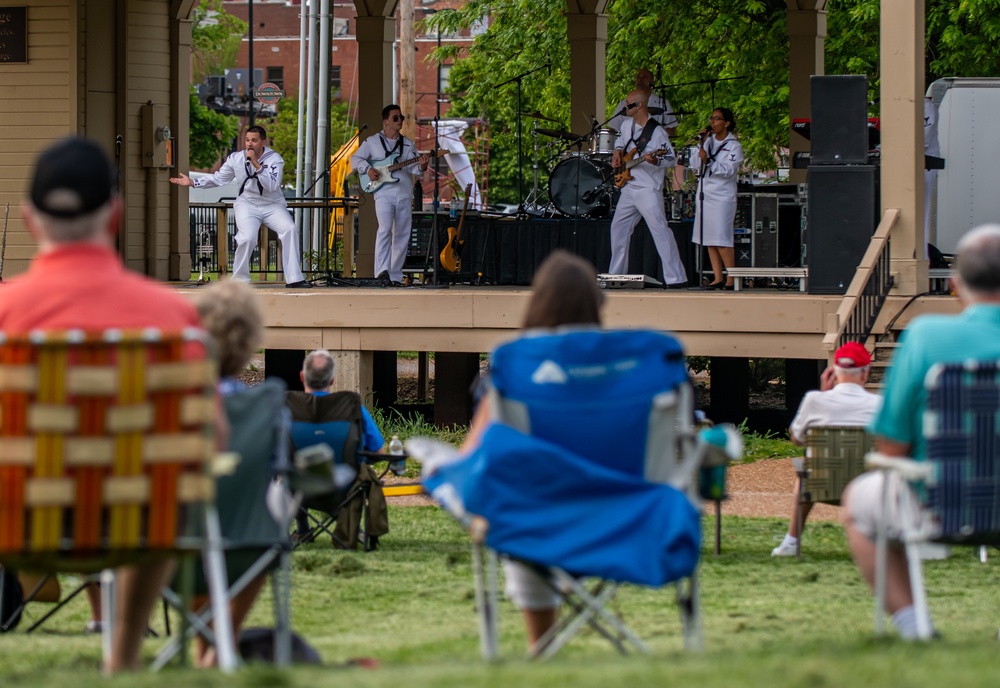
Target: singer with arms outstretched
(720, 156)
(260, 200)
(642, 196)
(393, 202)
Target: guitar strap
(646, 134)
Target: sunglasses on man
(398, 118)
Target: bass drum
(577, 188)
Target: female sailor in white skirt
(721, 156)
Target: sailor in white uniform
(720, 157)
(932, 146)
(393, 202)
(658, 107)
(642, 196)
(258, 169)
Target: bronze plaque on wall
(13, 35)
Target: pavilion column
(806, 34)
(376, 31)
(587, 31)
(902, 136)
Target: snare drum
(602, 142)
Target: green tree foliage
(740, 46)
(215, 42)
(216, 36)
(282, 133)
(212, 134)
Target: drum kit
(581, 179)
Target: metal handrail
(868, 291)
(212, 255)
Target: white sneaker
(784, 550)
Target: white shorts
(526, 589)
(864, 497)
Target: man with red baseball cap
(841, 400)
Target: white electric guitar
(385, 167)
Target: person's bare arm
(892, 447)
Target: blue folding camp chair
(961, 477)
(589, 472)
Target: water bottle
(397, 466)
(453, 207)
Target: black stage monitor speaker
(765, 230)
(839, 120)
(841, 224)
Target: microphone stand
(701, 218)
(587, 197)
(520, 182)
(328, 276)
(435, 259)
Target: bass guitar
(451, 261)
(630, 160)
(385, 167)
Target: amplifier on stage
(743, 247)
(765, 230)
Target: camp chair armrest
(799, 464)
(908, 468)
(375, 457)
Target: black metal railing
(322, 250)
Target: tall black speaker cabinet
(839, 130)
(842, 213)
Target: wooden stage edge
(755, 323)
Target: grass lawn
(773, 622)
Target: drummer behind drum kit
(581, 183)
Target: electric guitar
(450, 260)
(630, 160)
(385, 167)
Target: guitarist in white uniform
(260, 200)
(642, 196)
(393, 202)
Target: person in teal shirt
(973, 334)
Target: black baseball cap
(72, 177)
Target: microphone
(590, 195)
(363, 127)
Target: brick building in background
(276, 53)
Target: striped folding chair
(107, 443)
(958, 502)
(834, 456)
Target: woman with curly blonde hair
(229, 312)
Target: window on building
(335, 80)
(445, 72)
(276, 75)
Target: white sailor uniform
(719, 184)
(260, 200)
(642, 197)
(393, 202)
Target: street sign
(268, 93)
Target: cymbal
(537, 115)
(559, 134)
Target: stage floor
(765, 323)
